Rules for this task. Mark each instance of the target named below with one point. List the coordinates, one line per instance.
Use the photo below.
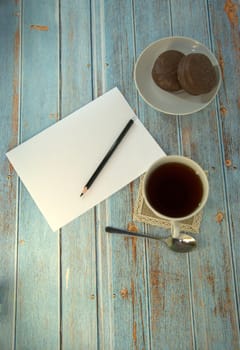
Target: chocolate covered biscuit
(196, 74)
(164, 71)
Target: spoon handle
(110, 229)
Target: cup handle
(175, 229)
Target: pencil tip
(84, 190)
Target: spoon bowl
(181, 244)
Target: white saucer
(178, 103)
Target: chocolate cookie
(196, 74)
(164, 71)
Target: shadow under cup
(175, 188)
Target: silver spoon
(182, 244)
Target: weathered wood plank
(38, 321)
(9, 125)
(105, 310)
(79, 295)
(168, 273)
(226, 41)
(84, 288)
(123, 310)
(213, 289)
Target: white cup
(197, 173)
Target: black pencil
(107, 156)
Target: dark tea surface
(174, 190)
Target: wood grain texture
(9, 125)
(82, 288)
(37, 321)
(122, 282)
(213, 287)
(78, 251)
(168, 274)
(226, 43)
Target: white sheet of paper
(56, 164)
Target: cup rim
(183, 160)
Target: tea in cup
(175, 188)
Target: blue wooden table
(80, 288)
